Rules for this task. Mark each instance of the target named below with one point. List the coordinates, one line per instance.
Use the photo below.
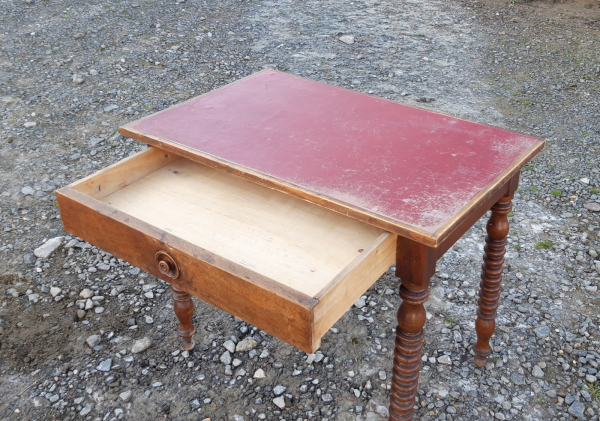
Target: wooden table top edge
(184, 246)
(445, 230)
(432, 239)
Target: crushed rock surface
(86, 336)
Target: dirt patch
(35, 329)
(568, 11)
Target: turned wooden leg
(415, 264)
(184, 310)
(491, 276)
(407, 352)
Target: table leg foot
(407, 352)
(184, 310)
(491, 276)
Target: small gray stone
(592, 206)
(125, 396)
(279, 390)
(444, 359)
(590, 379)
(34, 297)
(148, 287)
(226, 358)
(29, 124)
(45, 250)
(28, 191)
(537, 372)
(229, 346)
(360, 303)
(377, 408)
(577, 409)
(93, 340)
(542, 332)
(78, 79)
(382, 375)
(327, 397)
(517, 379)
(86, 410)
(259, 374)
(110, 108)
(40, 401)
(347, 39)
(54, 291)
(104, 365)
(586, 395)
(279, 402)
(94, 141)
(86, 293)
(246, 345)
(29, 259)
(141, 345)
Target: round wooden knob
(167, 265)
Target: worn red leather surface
(402, 163)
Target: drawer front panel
(270, 306)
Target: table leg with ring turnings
(415, 264)
(491, 277)
(184, 310)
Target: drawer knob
(167, 265)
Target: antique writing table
(281, 200)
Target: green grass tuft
(543, 245)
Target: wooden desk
(281, 200)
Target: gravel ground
(85, 336)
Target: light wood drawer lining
(285, 249)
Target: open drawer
(287, 266)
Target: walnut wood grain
(491, 277)
(415, 265)
(240, 287)
(266, 304)
(184, 310)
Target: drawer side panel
(282, 312)
(351, 283)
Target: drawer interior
(280, 263)
(281, 237)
